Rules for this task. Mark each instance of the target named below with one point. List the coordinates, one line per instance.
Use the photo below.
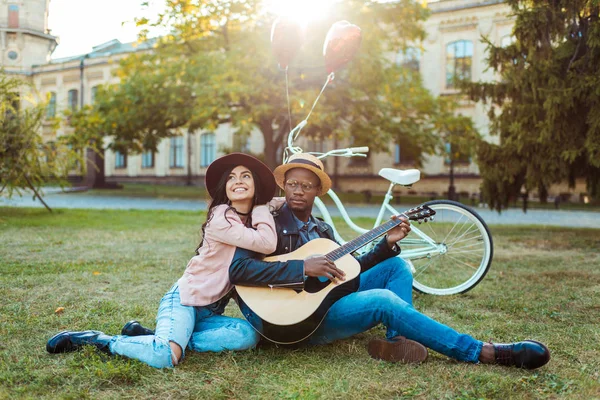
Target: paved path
(584, 219)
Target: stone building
(452, 48)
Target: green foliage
(545, 109)
(216, 67)
(26, 160)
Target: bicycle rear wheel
(464, 250)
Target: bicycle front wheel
(461, 253)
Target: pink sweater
(206, 278)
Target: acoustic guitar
(287, 316)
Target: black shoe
(399, 349)
(134, 328)
(527, 354)
(67, 341)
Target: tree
(26, 161)
(216, 66)
(544, 108)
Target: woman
(239, 186)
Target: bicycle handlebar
(349, 152)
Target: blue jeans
(385, 296)
(199, 328)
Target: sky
(82, 24)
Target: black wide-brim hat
(217, 168)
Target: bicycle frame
(429, 248)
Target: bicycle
(448, 256)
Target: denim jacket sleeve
(247, 269)
(379, 253)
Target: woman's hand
(276, 203)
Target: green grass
(107, 267)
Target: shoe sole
(403, 351)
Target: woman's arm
(228, 228)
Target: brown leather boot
(399, 349)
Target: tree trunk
(95, 178)
(270, 143)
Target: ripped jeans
(202, 329)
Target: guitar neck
(362, 240)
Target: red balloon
(341, 44)
(286, 40)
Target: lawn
(107, 267)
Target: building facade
(452, 48)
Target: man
(381, 294)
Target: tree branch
(36, 193)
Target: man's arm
(248, 270)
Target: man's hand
(399, 232)
(316, 266)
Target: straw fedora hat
(306, 161)
(218, 167)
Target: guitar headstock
(419, 214)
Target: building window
(72, 99)
(148, 159)
(120, 160)
(208, 149)
(176, 152)
(51, 110)
(94, 92)
(13, 16)
(409, 58)
(459, 59)
(403, 155)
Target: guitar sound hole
(314, 285)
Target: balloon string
(296, 131)
(287, 94)
(329, 79)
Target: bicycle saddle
(401, 177)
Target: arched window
(73, 97)
(208, 149)
(459, 60)
(51, 110)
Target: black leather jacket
(248, 269)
